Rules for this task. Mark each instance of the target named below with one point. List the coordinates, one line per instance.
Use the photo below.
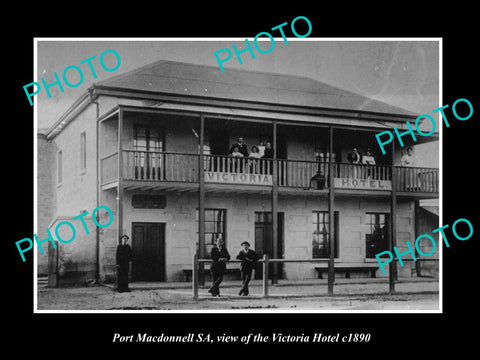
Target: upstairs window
(148, 143)
(83, 152)
(148, 138)
(59, 167)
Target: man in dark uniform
(248, 258)
(354, 157)
(124, 263)
(220, 256)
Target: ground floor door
(264, 241)
(148, 246)
(52, 265)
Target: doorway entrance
(148, 247)
(264, 241)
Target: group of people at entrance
(220, 256)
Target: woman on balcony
(261, 149)
(411, 180)
(368, 159)
(268, 154)
(253, 162)
(409, 159)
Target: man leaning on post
(248, 258)
(220, 256)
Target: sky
(403, 73)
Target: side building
(155, 146)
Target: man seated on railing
(237, 161)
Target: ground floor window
(214, 228)
(377, 236)
(321, 237)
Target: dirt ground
(422, 296)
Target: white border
(254, 311)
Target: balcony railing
(183, 167)
(109, 168)
(160, 166)
(417, 179)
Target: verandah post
(201, 202)
(265, 275)
(195, 276)
(120, 176)
(275, 205)
(331, 201)
(392, 276)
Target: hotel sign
(238, 178)
(364, 184)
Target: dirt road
(303, 297)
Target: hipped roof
(178, 78)
(204, 83)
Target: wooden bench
(188, 273)
(347, 269)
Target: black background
(87, 334)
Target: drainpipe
(92, 100)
